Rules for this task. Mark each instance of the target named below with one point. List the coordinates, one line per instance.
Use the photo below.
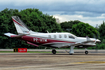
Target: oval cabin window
(49, 36)
(54, 36)
(60, 36)
(65, 36)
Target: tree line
(39, 22)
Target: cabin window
(70, 36)
(60, 36)
(49, 36)
(54, 36)
(65, 36)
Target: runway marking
(90, 62)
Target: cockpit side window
(70, 36)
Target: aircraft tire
(54, 51)
(71, 53)
(86, 52)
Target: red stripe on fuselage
(16, 22)
(40, 41)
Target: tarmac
(48, 61)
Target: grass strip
(27, 52)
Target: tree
(33, 18)
(67, 26)
(101, 45)
(102, 30)
(83, 29)
(6, 26)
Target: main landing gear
(71, 50)
(53, 51)
(86, 52)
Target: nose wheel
(54, 51)
(86, 52)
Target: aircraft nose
(98, 41)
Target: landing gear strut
(53, 51)
(71, 50)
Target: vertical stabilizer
(20, 26)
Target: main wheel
(71, 53)
(86, 52)
(54, 51)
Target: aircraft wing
(81, 43)
(86, 42)
(13, 35)
(78, 43)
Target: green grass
(27, 52)
(6, 52)
(37, 52)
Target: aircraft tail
(20, 26)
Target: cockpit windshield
(72, 36)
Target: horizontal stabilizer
(9, 34)
(13, 35)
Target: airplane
(53, 40)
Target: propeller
(96, 37)
(96, 45)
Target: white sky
(88, 11)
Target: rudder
(20, 26)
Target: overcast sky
(88, 11)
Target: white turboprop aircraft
(54, 40)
